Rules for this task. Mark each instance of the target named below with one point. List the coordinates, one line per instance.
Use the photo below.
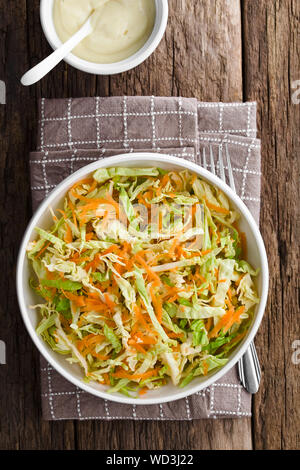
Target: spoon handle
(40, 70)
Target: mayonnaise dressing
(121, 27)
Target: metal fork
(248, 365)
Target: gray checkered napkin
(75, 132)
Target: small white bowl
(161, 19)
(42, 218)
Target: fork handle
(249, 370)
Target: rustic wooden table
(214, 50)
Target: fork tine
(212, 162)
(221, 164)
(204, 159)
(230, 172)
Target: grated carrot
(149, 271)
(215, 208)
(68, 238)
(122, 374)
(157, 302)
(42, 250)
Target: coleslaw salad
(140, 302)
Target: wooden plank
(271, 55)
(199, 56)
(21, 424)
(225, 434)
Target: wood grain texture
(201, 56)
(271, 65)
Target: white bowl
(46, 14)
(256, 256)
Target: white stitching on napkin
(180, 120)
(227, 385)
(229, 141)
(72, 160)
(118, 141)
(98, 114)
(230, 131)
(45, 153)
(125, 141)
(246, 167)
(221, 117)
(65, 160)
(69, 125)
(248, 198)
(57, 394)
(42, 122)
(238, 170)
(225, 105)
(78, 404)
(188, 410)
(248, 121)
(181, 152)
(212, 398)
(44, 171)
(153, 123)
(86, 418)
(50, 399)
(224, 412)
(107, 409)
(97, 118)
(239, 400)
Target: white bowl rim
(117, 67)
(115, 161)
